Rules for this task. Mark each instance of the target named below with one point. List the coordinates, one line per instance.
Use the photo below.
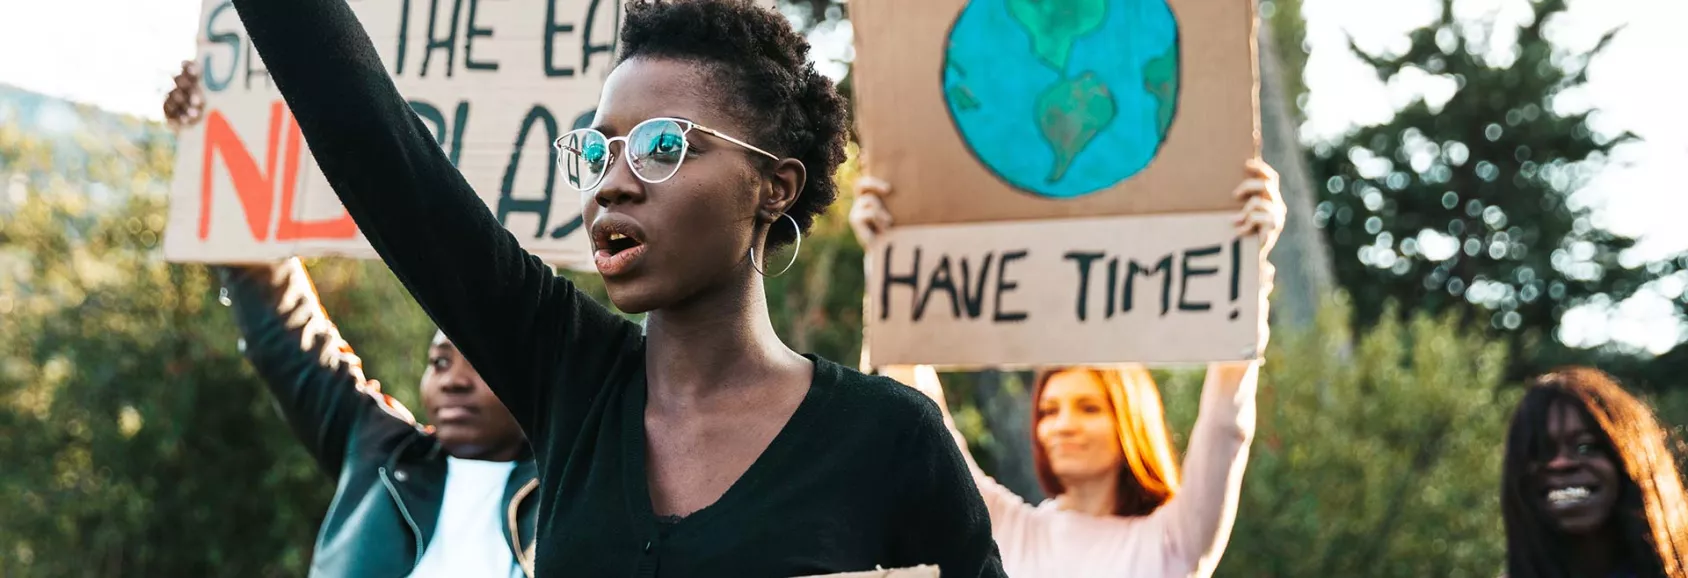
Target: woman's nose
(1561, 460)
(1062, 421)
(620, 185)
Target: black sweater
(864, 474)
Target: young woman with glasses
(704, 447)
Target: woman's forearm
(1199, 518)
(503, 308)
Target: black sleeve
(940, 518)
(524, 328)
(316, 379)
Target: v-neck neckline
(821, 385)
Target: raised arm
(316, 379)
(516, 321)
(1198, 520)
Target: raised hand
(185, 103)
(1263, 205)
(868, 216)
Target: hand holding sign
(868, 216)
(185, 104)
(1261, 217)
(1263, 210)
(1263, 206)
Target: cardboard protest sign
(1028, 109)
(496, 83)
(1162, 289)
(1043, 131)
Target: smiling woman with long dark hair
(1590, 488)
(705, 447)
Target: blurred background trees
(1469, 204)
(136, 441)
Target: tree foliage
(1380, 462)
(138, 443)
(1468, 206)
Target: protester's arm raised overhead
(316, 379)
(1198, 520)
(514, 319)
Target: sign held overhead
(494, 82)
(1064, 173)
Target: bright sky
(120, 54)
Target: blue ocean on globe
(1063, 98)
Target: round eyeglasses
(654, 150)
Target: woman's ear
(785, 185)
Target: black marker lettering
(552, 29)
(460, 124)
(508, 204)
(435, 120)
(912, 279)
(469, 41)
(941, 279)
(569, 227)
(584, 120)
(448, 43)
(1187, 271)
(1236, 273)
(587, 48)
(252, 57)
(1003, 286)
(404, 36)
(1113, 286)
(1083, 259)
(1133, 269)
(973, 301)
(432, 117)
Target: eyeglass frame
(685, 144)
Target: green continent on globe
(1160, 79)
(1070, 113)
(960, 97)
(1055, 24)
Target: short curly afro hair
(764, 70)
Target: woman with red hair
(1102, 451)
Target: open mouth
(1569, 496)
(616, 243)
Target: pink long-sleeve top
(1183, 538)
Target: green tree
(1466, 206)
(1380, 462)
(138, 441)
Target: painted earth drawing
(1063, 98)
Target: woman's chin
(1079, 473)
(631, 298)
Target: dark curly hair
(762, 65)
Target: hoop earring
(797, 238)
